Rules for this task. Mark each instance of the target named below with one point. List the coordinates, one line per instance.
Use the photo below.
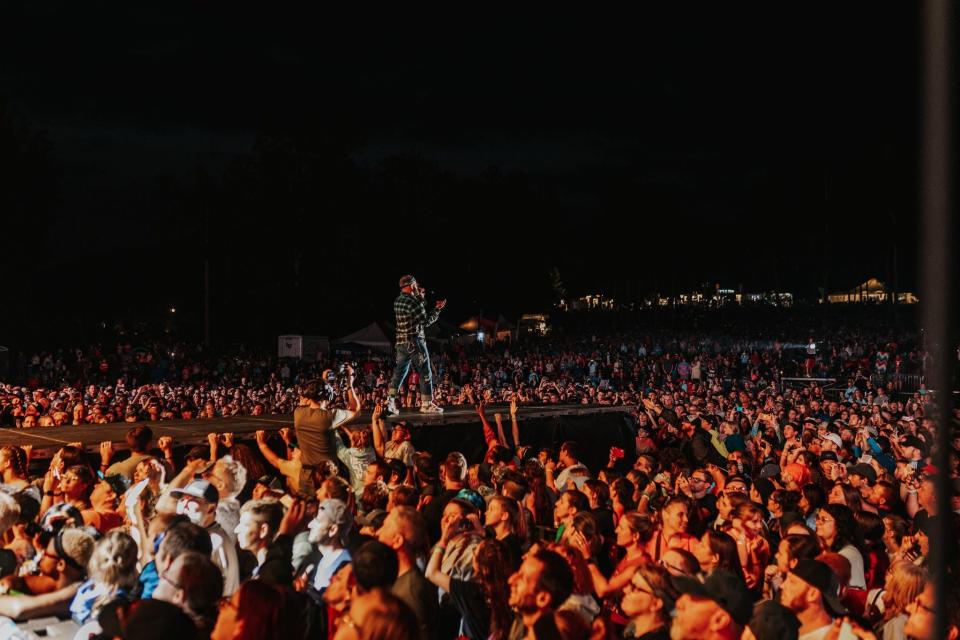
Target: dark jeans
(414, 353)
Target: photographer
(315, 423)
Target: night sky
(316, 158)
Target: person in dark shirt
(503, 520)
(481, 602)
(453, 473)
(405, 531)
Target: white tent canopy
(371, 336)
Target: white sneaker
(392, 407)
(430, 408)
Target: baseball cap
(472, 498)
(406, 281)
(819, 576)
(773, 620)
(770, 470)
(75, 545)
(200, 489)
(912, 441)
(724, 588)
(829, 455)
(863, 470)
(834, 438)
(271, 483)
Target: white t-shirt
(403, 452)
(857, 578)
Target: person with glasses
(64, 561)
(648, 600)
(920, 624)
(838, 531)
(194, 584)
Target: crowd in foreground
(739, 511)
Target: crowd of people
(742, 510)
(97, 385)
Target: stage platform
(46, 440)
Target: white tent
(371, 336)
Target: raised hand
(513, 407)
(293, 519)
(106, 452)
(165, 443)
(213, 439)
(227, 439)
(261, 436)
(285, 434)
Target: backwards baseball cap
(773, 620)
(724, 588)
(770, 470)
(819, 576)
(863, 470)
(75, 546)
(271, 483)
(199, 489)
(472, 498)
(834, 438)
(406, 281)
(912, 441)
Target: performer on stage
(412, 319)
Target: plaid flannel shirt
(412, 317)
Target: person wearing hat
(198, 501)
(862, 477)
(772, 620)
(831, 442)
(811, 592)
(411, 347)
(267, 486)
(716, 608)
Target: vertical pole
(935, 269)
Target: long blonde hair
(904, 583)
